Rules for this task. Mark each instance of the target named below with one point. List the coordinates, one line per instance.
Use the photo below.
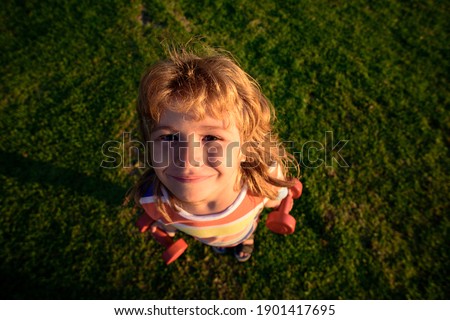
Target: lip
(190, 179)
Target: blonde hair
(214, 85)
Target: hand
(272, 204)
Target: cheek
(233, 154)
(213, 154)
(217, 154)
(160, 155)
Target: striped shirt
(223, 229)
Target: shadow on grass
(18, 285)
(27, 170)
(17, 282)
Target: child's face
(198, 161)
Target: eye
(169, 137)
(209, 138)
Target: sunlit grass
(375, 74)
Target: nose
(189, 153)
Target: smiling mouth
(190, 179)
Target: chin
(188, 196)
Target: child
(215, 162)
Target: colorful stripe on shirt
(227, 228)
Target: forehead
(186, 121)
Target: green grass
(374, 73)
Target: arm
(282, 192)
(167, 228)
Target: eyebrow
(213, 128)
(170, 128)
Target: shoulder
(149, 202)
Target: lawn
(359, 86)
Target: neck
(210, 207)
